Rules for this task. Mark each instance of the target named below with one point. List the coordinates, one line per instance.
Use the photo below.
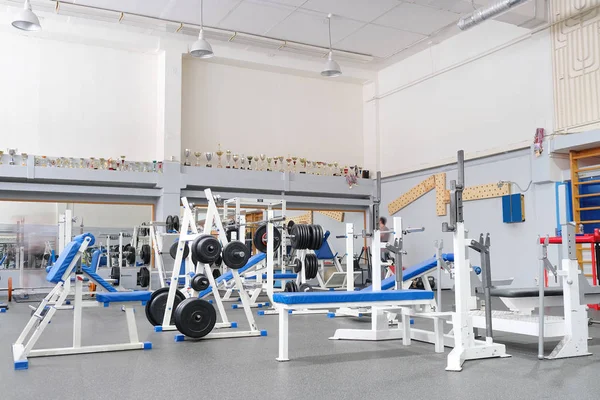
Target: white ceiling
(384, 29)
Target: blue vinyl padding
(98, 261)
(120, 297)
(412, 272)
(107, 286)
(66, 257)
(255, 259)
(291, 298)
(324, 252)
(287, 275)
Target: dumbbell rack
(189, 225)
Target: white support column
(77, 311)
(376, 261)
(350, 257)
(270, 266)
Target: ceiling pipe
(483, 14)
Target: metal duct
(478, 16)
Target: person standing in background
(384, 236)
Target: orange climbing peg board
(413, 194)
(440, 194)
(336, 215)
(306, 218)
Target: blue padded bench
(98, 279)
(255, 259)
(324, 252)
(287, 302)
(70, 251)
(123, 297)
(280, 276)
(291, 298)
(412, 272)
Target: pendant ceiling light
(26, 20)
(332, 68)
(201, 48)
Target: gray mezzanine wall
(513, 246)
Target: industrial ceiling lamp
(201, 48)
(332, 68)
(491, 11)
(26, 20)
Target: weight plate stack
(260, 238)
(145, 253)
(311, 265)
(173, 250)
(195, 317)
(200, 282)
(169, 223)
(176, 222)
(131, 256)
(206, 249)
(291, 286)
(156, 306)
(236, 254)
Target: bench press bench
(389, 299)
(60, 274)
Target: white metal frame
(55, 300)
(189, 225)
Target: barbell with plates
(260, 239)
(143, 277)
(291, 286)
(236, 254)
(195, 317)
(173, 250)
(145, 253)
(156, 306)
(304, 236)
(206, 249)
(200, 282)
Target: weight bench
(60, 275)
(286, 302)
(337, 279)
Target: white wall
(487, 105)
(33, 213)
(123, 216)
(63, 98)
(252, 111)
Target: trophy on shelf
(209, 156)
(289, 162)
(336, 169)
(11, 153)
(303, 164)
(281, 168)
(250, 158)
(1, 155)
(263, 157)
(92, 163)
(219, 153)
(197, 154)
(24, 157)
(294, 160)
(122, 163)
(243, 161)
(269, 159)
(228, 157)
(187, 155)
(235, 160)
(329, 170)
(275, 161)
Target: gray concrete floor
(246, 367)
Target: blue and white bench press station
(60, 274)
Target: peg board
(412, 195)
(440, 194)
(336, 215)
(484, 191)
(306, 218)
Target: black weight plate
(218, 261)
(200, 282)
(146, 253)
(297, 265)
(308, 267)
(144, 277)
(295, 239)
(126, 247)
(195, 317)
(277, 239)
(290, 225)
(216, 273)
(173, 250)
(115, 272)
(315, 267)
(236, 254)
(156, 312)
(259, 238)
(320, 236)
(131, 256)
(305, 287)
(291, 286)
(176, 222)
(302, 236)
(169, 223)
(313, 236)
(46, 256)
(307, 237)
(207, 249)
